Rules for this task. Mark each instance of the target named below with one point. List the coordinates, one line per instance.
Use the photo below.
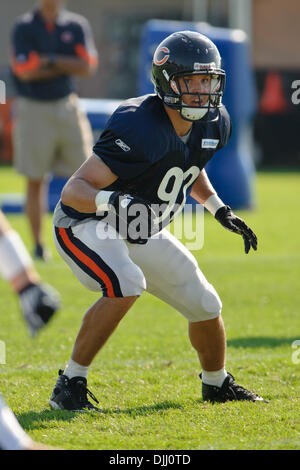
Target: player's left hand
(229, 220)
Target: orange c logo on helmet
(161, 56)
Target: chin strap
(193, 114)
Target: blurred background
(272, 30)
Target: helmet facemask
(195, 104)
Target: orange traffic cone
(273, 100)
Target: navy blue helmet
(184, 54)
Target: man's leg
(98, 324)
(173, 275)
(209, 340)
(70, 391)
(35, 142)
(99, 264)
(35, 208)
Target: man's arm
(85, 192)
(50, 67)
(26, 63)
(70, 65)
(29, 65)
(82, 188)
(35, 69)
(203, 192)
(202, 188)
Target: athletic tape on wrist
(101, 200)
(213, 203)
(14, 257)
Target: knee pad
(132, 279)
(210, 301)
(201, 300)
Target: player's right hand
(136, 220)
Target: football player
(38, 300)
(148, 159)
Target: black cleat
(71, 394)
(38, 302)
(230, 391)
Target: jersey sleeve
(225, 128)
(85, 47)
(120, 155)
(133, 139)
(24, 57)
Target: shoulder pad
(225, 127)
(133, 136)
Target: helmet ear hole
(215, 84)
(174, 86)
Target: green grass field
(146, 377)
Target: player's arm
(202, 188)
(85, 192)
(82, 188)
(203, 192)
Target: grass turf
(146, 377)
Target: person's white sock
(215, 377)
(73, 369)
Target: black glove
(135, 219)
(229, 220)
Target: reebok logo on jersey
(122, 145)
(210, 143)
(124, 202)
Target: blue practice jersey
(140, 146)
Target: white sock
(73, 369)
(215, 377)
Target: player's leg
(98, 324)
(103, 266)
(38, 301)
(208, 338)
(100, 321)
(173, 275)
